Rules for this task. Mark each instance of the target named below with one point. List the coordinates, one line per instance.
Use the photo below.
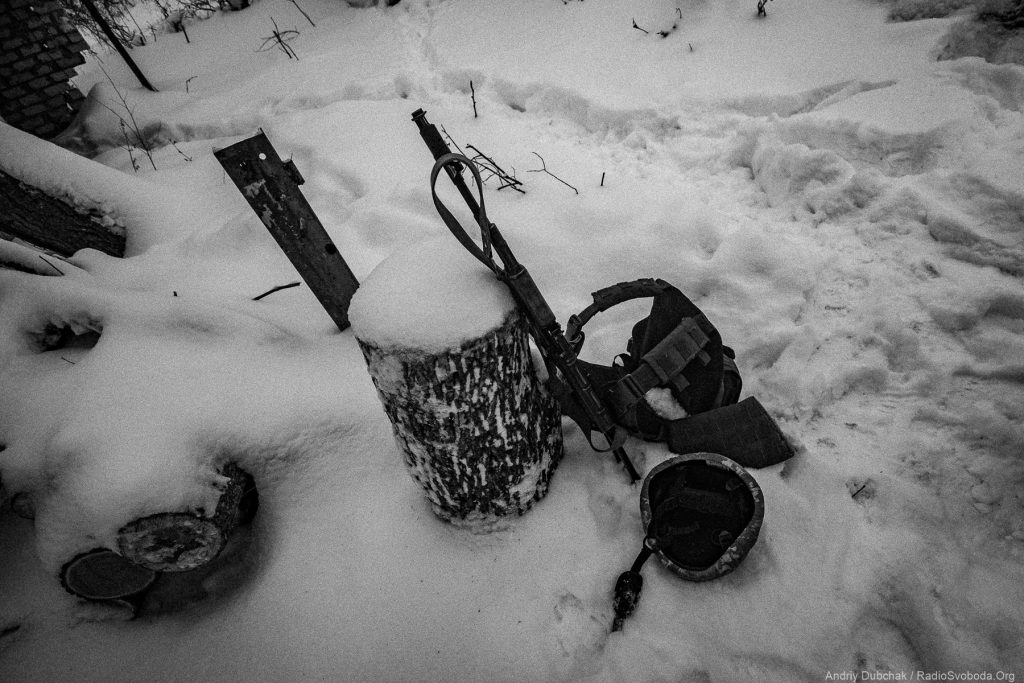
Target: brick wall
(39, 51)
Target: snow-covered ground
(848, 211)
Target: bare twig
(174, 144)
(51, 265)
(187, 81)
(602, 178)
(279, 39)
(452, 142)
(177, 22)
(667, 32)
(277, 289)
(142, 34)
(128, 145)
(311, 22)
(140, 139)
(544, 169)
(491, 166)
(472, 93)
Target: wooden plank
(29, 214)
(271, 187)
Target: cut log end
(23, 505)
(183, 541)
(161, 544)
(171, 541)
(102, 574)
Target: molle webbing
(663, 365)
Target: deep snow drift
(847, 210)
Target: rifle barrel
(438, 148)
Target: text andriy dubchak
(921, 676)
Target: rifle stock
(547, 333)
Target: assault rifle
(558, 353)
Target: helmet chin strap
(629, 585)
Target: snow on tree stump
(449, 355)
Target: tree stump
(477, 428)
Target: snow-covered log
(163, 542)
(181, 541)
(28, 213)
(450, 357)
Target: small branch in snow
(491, 166)
(602, 178)
(142, 34)
(276, 289)
(128, 146)
(51, 265)
(303, 12)
(174, 144)
(131, 122)
(472, 94)
(187, 81)
(452, 142)
(279, 39)
(177, 21)
(544, 169)
(667, 32)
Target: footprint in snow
(579, 630)
(880, 644)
